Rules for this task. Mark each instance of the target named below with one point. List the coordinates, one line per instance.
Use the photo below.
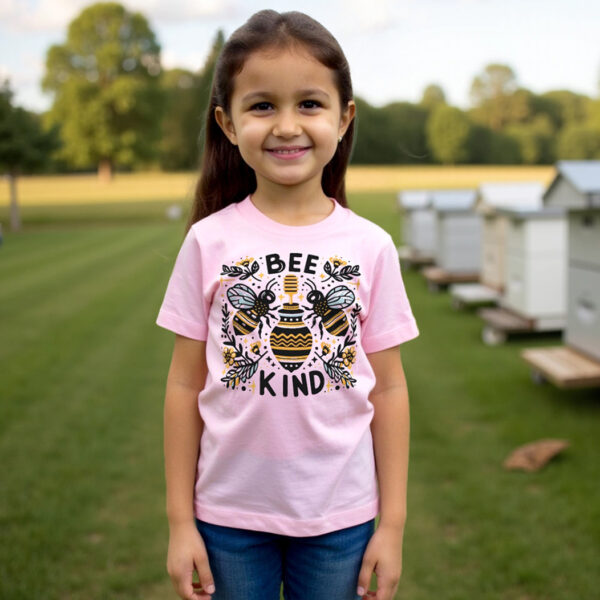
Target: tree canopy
(107, 100)
(24, 145)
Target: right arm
(182, 432)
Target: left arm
(390, 431)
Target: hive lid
(414, 199)
(522, 195)
(546, 212)
(584, 176)
(453, 200)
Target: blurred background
(101, 111)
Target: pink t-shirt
(289, 315)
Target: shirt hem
(285, 525)
(391, 338)
(181, 326)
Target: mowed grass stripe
(44, 305)
(31, 249)
(84, 437)
(63, 326)
(54, 276)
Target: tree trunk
(105, 170)
(15, 214)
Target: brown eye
(310, 104)
(261, 106)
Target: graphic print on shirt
(299, 342)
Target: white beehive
(418, 221)
(536, 265)
(576, 187)
(490, 198)
(458, 231)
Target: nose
(287, 125)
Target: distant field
(78, 189)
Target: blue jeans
(250, 565)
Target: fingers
(188, 589)
(386, 587)
(364, 576)
(207, 583)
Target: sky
(395, 48)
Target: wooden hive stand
(411, 258)
(501, 322)
(563, 366)
(438, 278)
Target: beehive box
(418, 223)
(458, 231)
(536, 265)
(490, 198)
(576, 188)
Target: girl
(286, 410)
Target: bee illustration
(329, 309)
(252, 308)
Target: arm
(390, 430)
(182, 432)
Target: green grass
(82, 380)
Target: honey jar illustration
(291, 340)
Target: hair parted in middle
(225, 178)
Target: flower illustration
(337, 262)
(244, 262)
(255, 348)
(229, 356)
(349, 356)
(325, 348)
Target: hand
(384, 557)
(187, 553)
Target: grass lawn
(82, 380)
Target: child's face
(285, 116)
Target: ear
(226, 124)
(347, 116)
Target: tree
(187, 95)
(495, 81)
(105, 81)
(393, 134)
(370, 140)
(24, 146)
(567, 107)
(433, 95)
(448, 133)
(535, 140)
(405, 135)
(493, 96)
(579, 142)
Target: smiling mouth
(288, 150)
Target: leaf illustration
(346, 272)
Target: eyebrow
(304, 93)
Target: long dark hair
(225, 178)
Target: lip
(288, 152)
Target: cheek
(251, 133)
(326, 134)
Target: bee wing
(339, 297)
(241, 296)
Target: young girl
(286, 411)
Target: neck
(291, 201)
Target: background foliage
(116, 107)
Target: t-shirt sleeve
(184, 309)
(389, 320)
